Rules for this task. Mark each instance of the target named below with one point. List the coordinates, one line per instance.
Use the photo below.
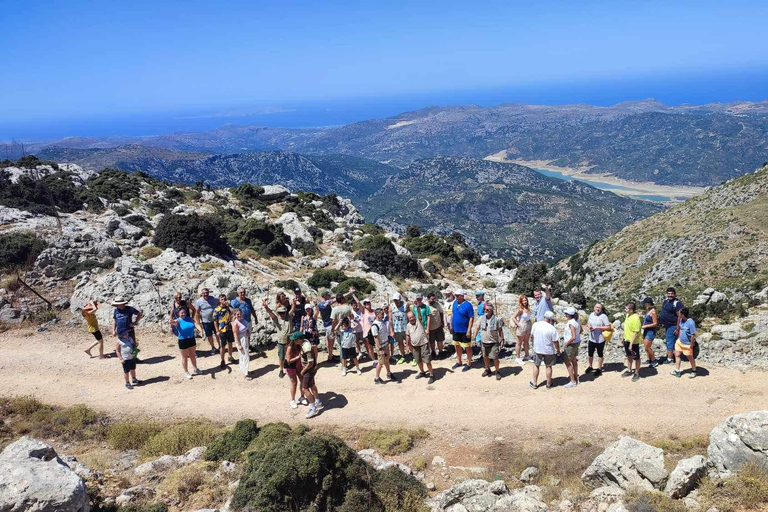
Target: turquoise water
(604, 186)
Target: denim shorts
(670, 337)
(208, 329)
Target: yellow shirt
(632, 326)
(93, 323)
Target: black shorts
(128, 365)
(348, 353)
(437, 335)
(226, 337)
(97, 335)
(208, 329)
(460, 337)
(187, 343)
(592, 347)
(308, 379)
(632, 351)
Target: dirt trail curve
(52, 366)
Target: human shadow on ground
(648, 371)
(510, 371)
(403, 374)
(259, 372)
(558, 381)
(613, 367)
(332, 400)
(154, 380)
(441, 372)
(156, 359)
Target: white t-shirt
(348, 338)
(597, 321)
(544, 336)
(357, 321)
(567, 332)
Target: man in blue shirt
(461, 327)
(542, 304)
(669, 318)
(123, 321)
(685, 344)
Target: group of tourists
(402, 332)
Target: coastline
(628, 188)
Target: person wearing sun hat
(123, 320)
(571, 341)
(463, 315)
(283, 322)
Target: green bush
(140, 222)
(372, 242)
(371, 229)
(398, 492)
(114, 185)
(250, 196)
(119, 209)
(322, 278)
(19, 250)
(156, 206)
(385, 260)
(270, 435)
(506, 264)
(392, 441)
(150, 251)
(191, 234)
(433, 245)
(131, 435)
(265, 238)
(47, 195)
(230, 444)
(288, 284)
(305, 248)
(362, 285)
(73, 268)
(528, 278)
(179, 438)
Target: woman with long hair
(650, 323)
(177, 305)
(185, 332)
(522, 321)
(240, 329)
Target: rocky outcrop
(167, 462)
(483, 496)
(739, 440)
(628, 463)
(686, 476)
(34, 478)
(293, 227)
(379, 463)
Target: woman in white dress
(522, 321)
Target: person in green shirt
(632, 329)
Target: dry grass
(150, 251)
(211, 265)
(25, 415)
(131, 435)
(747, 490)
(195, 486)
(10, 283)
(651, 501)
(392, 441)
(178, 438)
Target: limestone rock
(740, 439)
(628, 463)
(293, 227)
(686, 476)
(34, 478)
(529, 474)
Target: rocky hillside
(510, 210)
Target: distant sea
(749, 85)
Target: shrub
(131, 435)
(114, 185)
(19, 249)
(362, 285)
(211, 265)
(288, 284)
(371, 229)
(506, 264)
(745, 490)
(156, 206)
(398, 492)
(140, 222)
(372, 242)
(489, 283)
(528, 278)
(10, 283)
(250, 196)
(119, 209)
(305, 248)
(73, 268)
(317, 233)
(179, 438)
(413, 231)
(191, 234)
(26, 405)
(651, 501)
(271, 435)
(392, 441)
(430, 267)
(432, 245)
(230, 444)
(46, 195)
(150, 251)
(78, 422)
(44, 316)
(322, 278)
(265, 238)
(385, 260)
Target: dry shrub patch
(25, 415)
(637, 500)
(392, 441)
(131, 435)
(178, 438)
(748, 489)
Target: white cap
(307, 306)
(570, 311)
(458, 291)
(549, 314)
(397, 296)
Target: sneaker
(421, 375)
(692, 375)
(549, 386)
(627, 373)
(375, 364)
(455, 365)
(520, 361)
(281, 374)
(636, 377)
(135, 381)
(232, 360)
(588, 370)
(223, 365)
(187, 375)
(303, 401)
(198, 372)
(598, 372)
(466, 368)
(654, 363)
(431, 379)
(533, 386)
(319, 404)
(214, 351)
(676, 373)
(401, 360)
(413, 362)
(571, 384)
(128, 385)
(378, 380)
(498, 376)
(344, 371)
(311, 412)
(486, 373)
(293, 404)
(359, 371)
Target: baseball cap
(366, 301)
(297, 289)
(307, 306)
(281, 309)
(325, 293)
(397, 296)
(296, 336)
(647, 300)
(458, 291)
(549, 315)
(570, 311)
(479, 293)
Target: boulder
(686, 476)
(468, 491)
(529, 474)
(627, 463)
(527, 499)
(740, 439)
(293, 227)
(34, 478)
(167, 462)
(140, 492)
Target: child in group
(125, 350)
(308, 372)
(348, 350)
(380, 336)
(89, 313)
(685, 344)
(240, 333)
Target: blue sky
(74, 59)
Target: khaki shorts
(422, 354)
(547, 359)
(571, 351)
(383, 354)
(490, 350)
(399, 337)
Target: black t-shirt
(668, 313)
(299, 311)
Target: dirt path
(52, 366)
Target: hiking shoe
(198, 372)
(378, 380)
(375, 364)
(498, 376)
(319, 404)
(128, 385)
(421, 375)
(636, 377)
(486, 373)
(533, 386)
(232, 360)
(214, 351)
(653, 364)
(588, 370)
(135, 381)
(692, 375)
(401, 360)
(466, 368)
(344, 371)
(359, 371)
(519, 361)
(187, 375)
(570, 384)
(281, 374)
(455, 365)
(223, 365)
(293, 404)
(627, 373)
(549, 386)
(676, 373)
(413, 362)
(311, 412)
(598, 372)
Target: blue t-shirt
(124, 318)
(480, 312)
(668, 313)
(186, 329)
(687, 328)
(461, 315)
(325, 311)
(541, 307)
(246, 307)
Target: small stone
(529, 474)
(438, 461)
